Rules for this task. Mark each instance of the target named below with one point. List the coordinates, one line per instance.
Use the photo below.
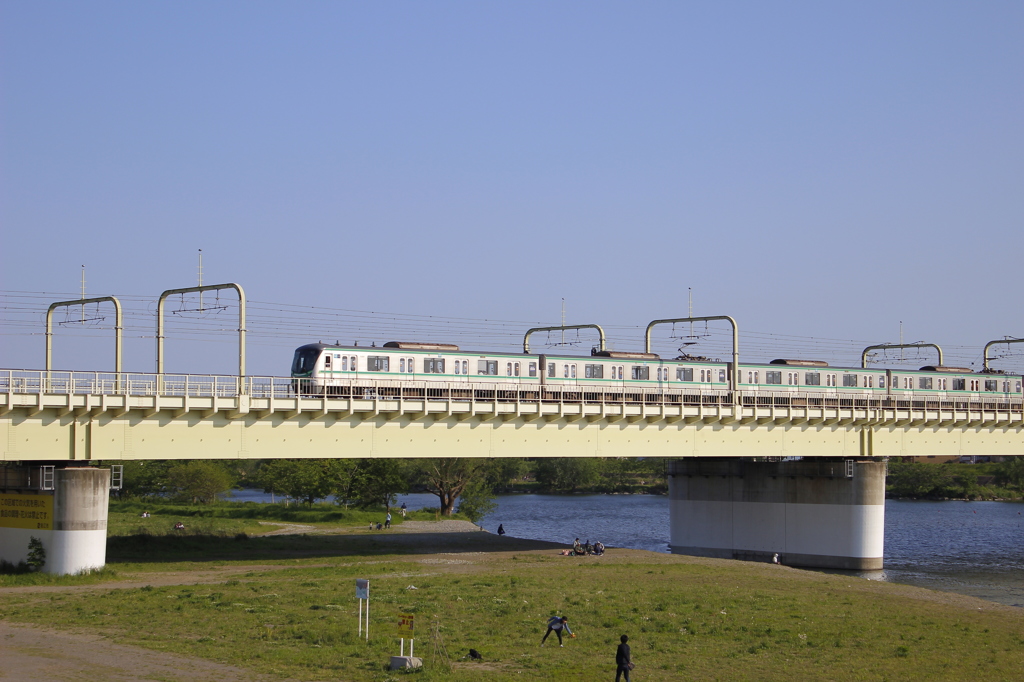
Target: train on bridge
(321, 369)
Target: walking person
(556, 624)
(623, 662)
(387, 520)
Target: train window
(593, 371)
(991, 385)
(940, 384)
(352, 363)
(850, 380)
(573, 371)
(881, 382)
(641, 372)
(773, 377)
(401, 365)
(959, 384)
(830, 380)
(408, 365)
(508, 369)
(434, 365)
(532, 369)
(344, 364)
(975, 385)
(327, 361)
(812, 378)
(377, 363)
(721, 376)
(515, 368)
(685, 374)
(487, 367)
(565, 371)
(1018, 387)
(551, 370)
(458, 367)
(924, 382)
(465, 366)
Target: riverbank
(283, 606)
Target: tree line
(467, 485)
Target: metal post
(563, 327)
(188, 290)
(882, 346)
(118, 328)
(992, 343)
(734, 383)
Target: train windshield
(305, 360)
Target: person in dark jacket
(623, 664)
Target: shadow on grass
(174, 548)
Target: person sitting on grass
(577, 548)
(588, 548)
(598, 548)
(179, 526)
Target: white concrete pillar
(822, 514)
(78, 541)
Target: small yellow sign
(405, 623)
(32, 511)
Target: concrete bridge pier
(65, 508)
(815, 514)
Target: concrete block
(399, 662)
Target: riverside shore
(283, 607)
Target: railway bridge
(56, 428)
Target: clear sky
(814, 169)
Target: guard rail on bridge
(258, 390)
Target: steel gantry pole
(118, 328)
(191, 290)
(526, 339)
(883, 346)
(993, 343)
(734, 383)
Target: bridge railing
(208, 385)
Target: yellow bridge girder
(54, 427)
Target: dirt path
(29, 653)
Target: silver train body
(399, 368)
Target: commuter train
(320, 369)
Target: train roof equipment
(420, 345)
(625, 355)
(800, 363)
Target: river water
(972, 548)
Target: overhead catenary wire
(288, 325)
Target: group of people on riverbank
(588, 549)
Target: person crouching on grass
(556, 624)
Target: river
(972, 548)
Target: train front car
(304, 365)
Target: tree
(567, 474)
(144, 479)
(377, 482)
(447, 477)
(501, 472)
(198, 480)
(477, 500)
(306, 480)
(1011, 472)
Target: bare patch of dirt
(34, 653)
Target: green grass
(687, 618)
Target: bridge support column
(70, 520)
(816, 514)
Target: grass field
(285, 606)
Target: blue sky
(819, 170)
